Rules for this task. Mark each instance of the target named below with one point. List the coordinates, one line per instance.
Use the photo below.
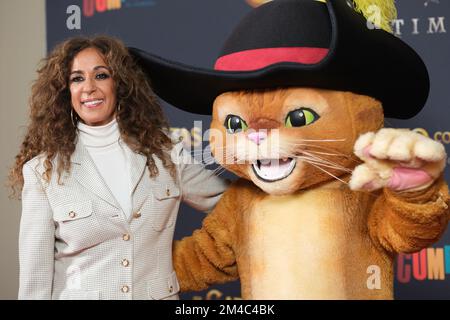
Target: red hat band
(250, 60)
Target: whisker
(320, 160)
(328, 162)
(295, 144)
(329, 173)
(221, 172)
(292, 143)
(217, 170)
(329, 154)
(325, 165)
(325, 160)
(321, 140)
(337, 153)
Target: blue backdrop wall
(192, 31)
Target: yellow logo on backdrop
(441, 136)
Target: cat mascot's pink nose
(257, 137)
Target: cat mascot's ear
(378, 12)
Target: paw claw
(382, 142)
(363, 142)
(429, 150)
(400, 148)
(364, 178)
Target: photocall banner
(193, 31)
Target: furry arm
(409, 221)
(208, 256)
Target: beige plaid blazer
(76, 242)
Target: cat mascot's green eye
(235, 124)
(300, 117)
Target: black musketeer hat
(302, 43)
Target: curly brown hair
(51, 130)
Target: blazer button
(125, 262)
(168, 192)
(137, 215)
(125, 289)
(72, 214)
(171, 289)
(126, 237)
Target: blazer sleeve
(36, 240)
(201, 188)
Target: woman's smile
(92, 103)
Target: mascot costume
(326, 197)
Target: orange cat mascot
(326, 196)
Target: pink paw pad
(407, 178)
(369, 186)
(366, 151)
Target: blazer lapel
(137, 167)
(86, 173)
(140, 185)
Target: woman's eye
(102, 76)
(234, 124)
(300, 117)
(76, 79)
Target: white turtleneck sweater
(102, 143)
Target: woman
(101, 181)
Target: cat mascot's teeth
(273, 169)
